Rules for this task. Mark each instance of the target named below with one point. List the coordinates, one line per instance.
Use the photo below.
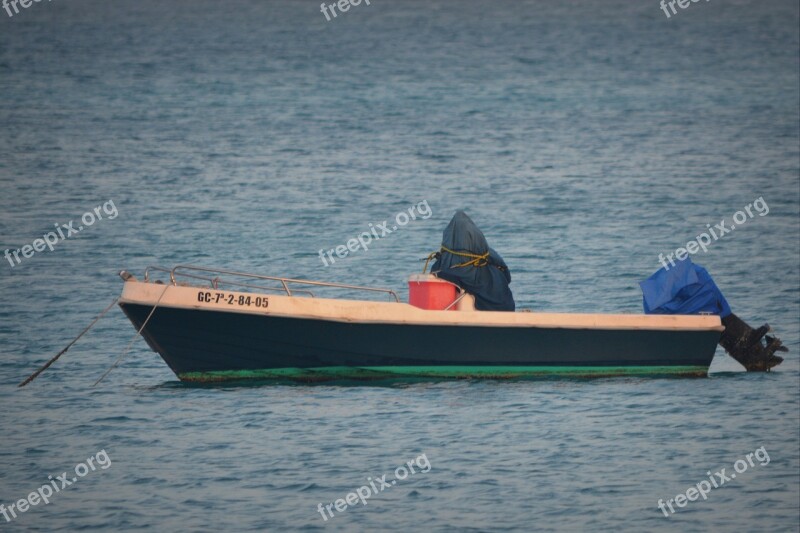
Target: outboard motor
(687, 289)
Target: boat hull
(204, 343)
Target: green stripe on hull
(443, 372)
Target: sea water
(584, 138)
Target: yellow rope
(428, 260)
(476, 260)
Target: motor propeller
(747, 345)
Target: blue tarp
(684, 289)
(486, 279)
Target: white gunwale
(374, 312)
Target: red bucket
(426, 291)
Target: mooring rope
(62, 352)
(125, 352)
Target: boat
(211, 324)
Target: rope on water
(62, 352)
(125, 352)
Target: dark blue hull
(207, 345)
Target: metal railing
(181, 271)
(458, 299)
(215, 282)
(168, 271)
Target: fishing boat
(213, 324)
(460, 321)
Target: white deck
(185, 297)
